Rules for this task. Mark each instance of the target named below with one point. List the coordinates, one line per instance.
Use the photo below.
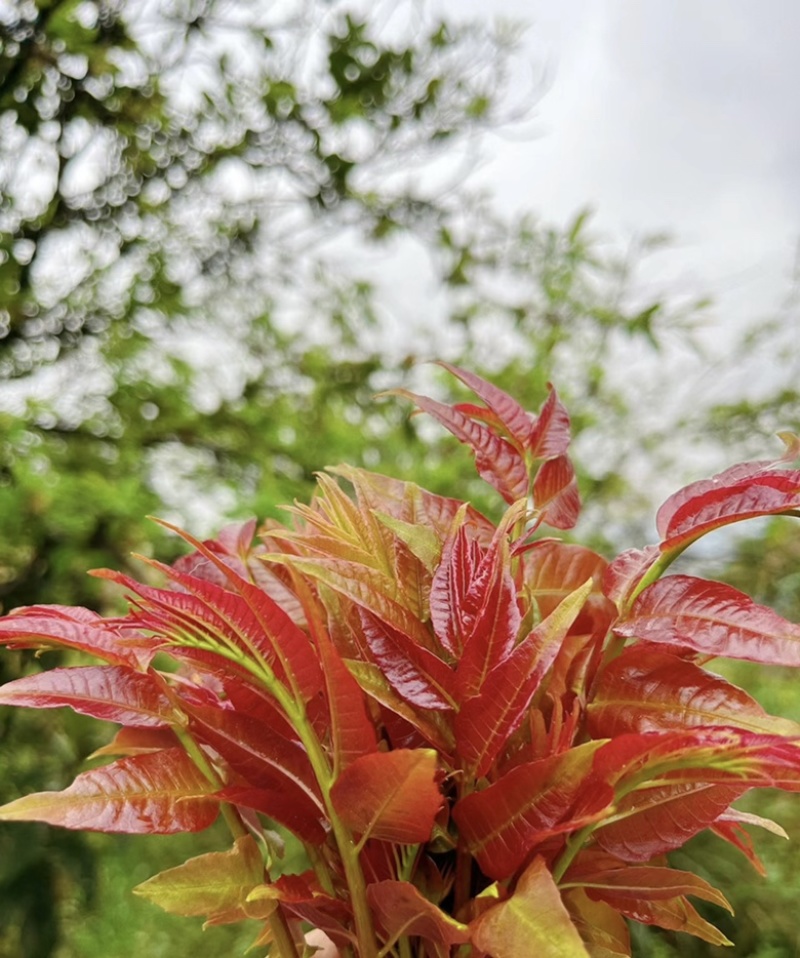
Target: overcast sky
(681, 116)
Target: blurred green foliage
(189, 193)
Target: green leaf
(215, 885)
(533, 921)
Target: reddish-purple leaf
(504, 824)
(515, 420)
(497, 461)
(402, 911)
(533, 921)
(713, 503)
(391, 796)
(418, 675)
(115, 693)
(648, 690)
(56, 626)
(153, 794)
(555, 493)
(713, 619)
(550, 434)
(487, 719)
(282, 806)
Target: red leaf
(450, 586)
(503, 824)
(486, 720)
(267, 761)
(554, 569)
(56, 626)
(626, 572)
(497, 461)
(214, 618)
(490, 618)
(533, 921)
(516, 421)
(402, 911)
(115, 693)
(555, 493)
(274, 628)
(647, 690)
(713, 619)
(392, 796)
(418, 675)
(154, 794)
(550, 434)
(729, 497)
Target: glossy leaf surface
(392, 796)
(713, 619)
(532, 921)
(153, 794)
(115, 693)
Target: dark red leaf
(115, 693)
(490, 617)
(713, 619)
(487, 719)
(451, 583)
(418, 675)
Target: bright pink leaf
(626, 572)
(713, 619)
(115, 693)
(391, 796)
(713, 503)
(153, 794)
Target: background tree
(192, 195)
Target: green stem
(277, 920)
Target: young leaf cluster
(484, 740)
